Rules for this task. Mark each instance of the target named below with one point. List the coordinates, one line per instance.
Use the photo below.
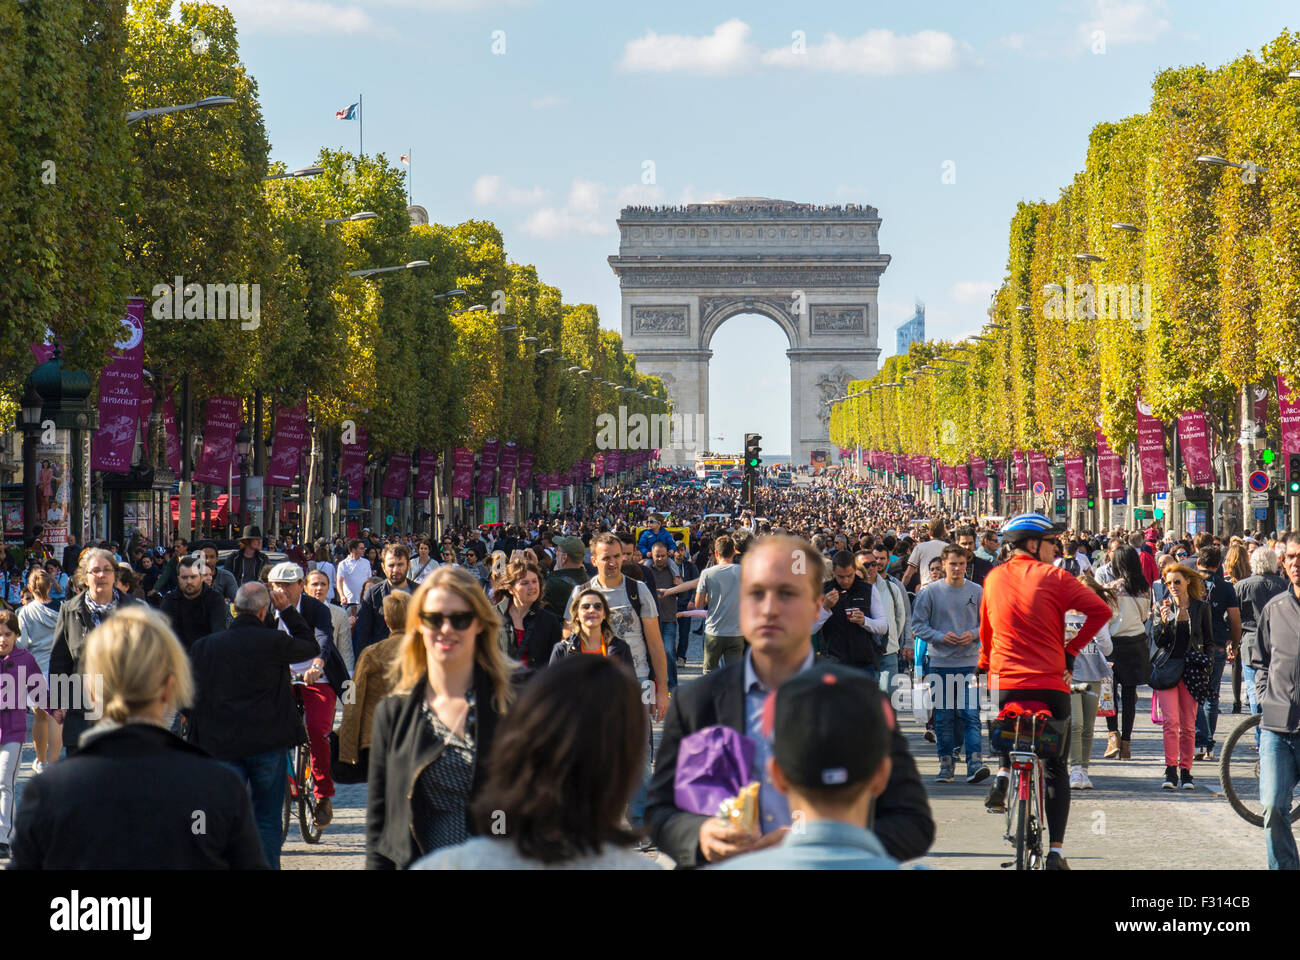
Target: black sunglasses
(459, 621)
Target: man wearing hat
(324, 674)
(247, 562)
(568, 573)
(830, 732)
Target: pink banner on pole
(120, 386)
(42, 351)
(352, 464)
(462, 478)
(1194, 442)
(979, 473)
(1022, 470)
(487, 467)
(395, 479)
(288, 445)
(1111, 469)
(525, 477)
(1236, 464)
(428, 465)
(614, 461)
(1289, 406)
(1000, 472)
(173, 438)
(1151, 450)
(1039, 472)
(926, 470)
(963, 479)
(599, 461)
(1076, 479)
(946, 475)
(509, 466)
(1261, 406)
(219, 441)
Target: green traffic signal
(1268, 457)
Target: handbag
(1106, 698)
(1196, 675)
(1157, 715)
(1166, 669)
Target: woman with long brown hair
(452, 684)
(590, 630)
(529, 631)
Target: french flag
(348, 113)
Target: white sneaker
(37, 767)
(1076, 778)
(1084, 782)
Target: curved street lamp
(300, 172)
(135, 116)
(363, 215)
(413, 265)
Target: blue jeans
(636, 807)
(1279, 768)
(1207, 717)
(1248, 681)
(888, 670)
(950, 704)
(267, 775)
(669, 632)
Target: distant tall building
(913, 331)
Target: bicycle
(300, 789)
(1027, 732)
(1239, 775)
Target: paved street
(1128, 821)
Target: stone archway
(814, 270)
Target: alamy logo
(212, 301)
(659, 431)
(1088, 301)
(102, 914)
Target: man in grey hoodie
(946, 615)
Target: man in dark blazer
(780, 594)
(243, 711)
(371, 627)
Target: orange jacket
(1022, 623)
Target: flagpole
(361, 124)
(410, 174)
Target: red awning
(218, 510)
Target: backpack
(1070, 565)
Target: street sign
(1040, 488)
(1120, 501)
(1162, 496)
(1060, 493)
(388, 519)
(491, 509)
(1258, 481)
(1261, 513)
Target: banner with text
(352, 464)
(395, 479)
(462, 477)
(287, 446)
(224, 417)
(428, 466)
(1076, 480)
(1110, 469)
(487, 467)
(1194, 443)
(1151, 450)
(120, 386)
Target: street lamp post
(29, 421)
(243, 442)
(135, 116)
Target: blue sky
(548, 138)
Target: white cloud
(972, 291)
(727, 50)
(548, 101)
(584, 196)
(491, 189)
(877, 53)
(1016, 41)
(1126, 21)
(549, 223)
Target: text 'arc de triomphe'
(815, 270)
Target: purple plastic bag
(713, 763)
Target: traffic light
(1266, 458)
(1293, 473)
(1092, 495)
(753, 459)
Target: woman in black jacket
(452, 685)
(130, 797)
(590, 631)
(529, 631)
(1184, 626)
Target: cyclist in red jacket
(1023, 648)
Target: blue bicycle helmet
(1025, 526)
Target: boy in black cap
(830, 757)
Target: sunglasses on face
(459, 621)
(589, 606)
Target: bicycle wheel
(1239, 774)
(1023, 818)
(306, 798)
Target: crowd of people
(497, 689)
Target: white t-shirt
(921, 556)
(623, 619)
(355, 573)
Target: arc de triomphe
(815, 270)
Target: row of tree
(92, 211)
(1151, 273)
